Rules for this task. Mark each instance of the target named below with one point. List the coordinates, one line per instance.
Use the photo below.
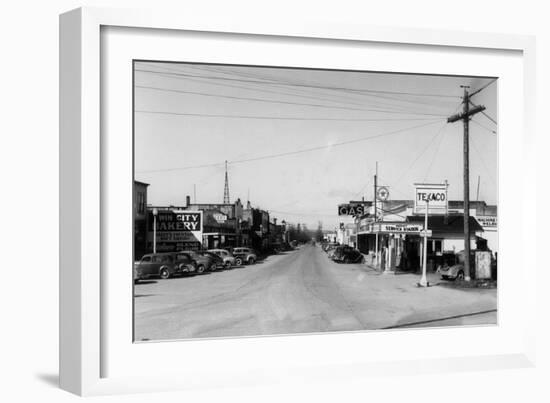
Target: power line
(202, 79)
(275, 81)
(278, 102)
(331, 145)
(482, 88)
(205, 79)
(263, 117)
(292, 152)
(419, 155)
(216, 164)
(480, 156)
(484, 114)
(362, 90)
(441, 137)
(483, 127)
(346, 91)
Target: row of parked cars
(342, 253)
(169, 264)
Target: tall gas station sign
(434, 195)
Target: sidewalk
(395, 300)
(433, 278)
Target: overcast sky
(300, 142)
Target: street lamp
(155, 213)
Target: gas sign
(351, 209)
(431, 196)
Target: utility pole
(465, 117)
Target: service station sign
(431, 196)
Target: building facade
(140, 218)
(393, 240)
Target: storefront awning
(452, 223)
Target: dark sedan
(217, 261)
(347, 254)
(161, 265)
(202, 262)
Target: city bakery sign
(176, 229)
(177, 221)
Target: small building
(222, 223)
(140, 218)
(395, 234)
(255, 227)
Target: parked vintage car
(454, 272)
(136, 273)
(244, 255)
(217, 261)
(329, 246)
(202, 262)
(185, 262)
(227, 257)
(161, 265)
(453, 269)
(330, 250)
(347, 254)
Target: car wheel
(200, 269)
(227, 265)
(346, 260)
(460, 275)
(251, 260)
(238, 261)
(164, 274)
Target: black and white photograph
(273, 200)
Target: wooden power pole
(465, 117)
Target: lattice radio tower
(226, 187)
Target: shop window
(141, 203)
(435, 246)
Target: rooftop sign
(351, 209)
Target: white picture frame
(87, 343)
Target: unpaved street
(299, 291)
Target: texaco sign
(382, 193)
